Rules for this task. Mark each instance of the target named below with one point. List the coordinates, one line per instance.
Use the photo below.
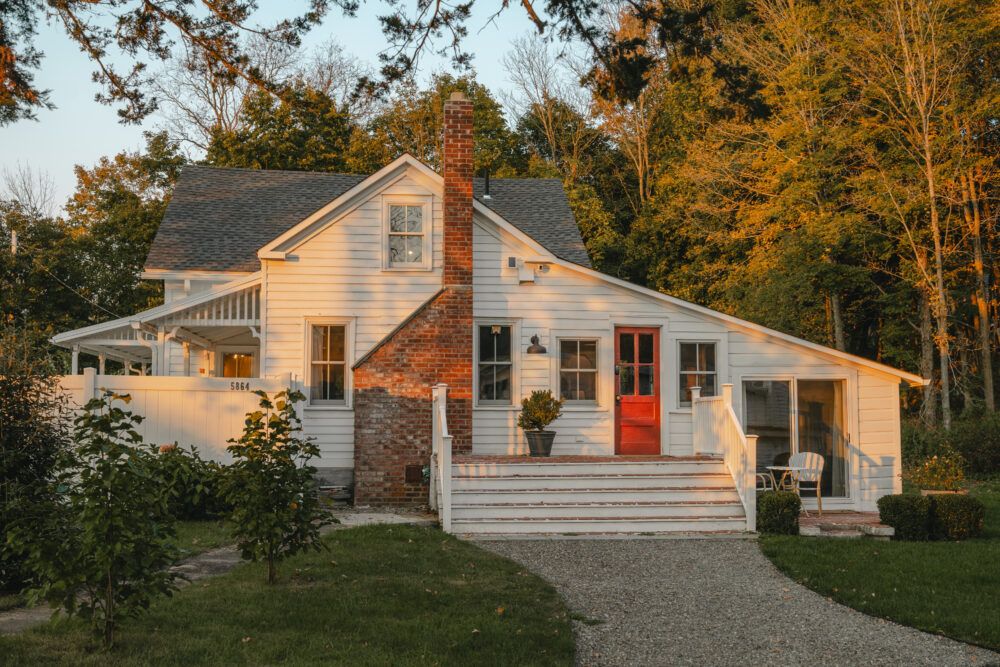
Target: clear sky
(79, 130)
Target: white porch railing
(717, 430)
(204, 412)
(440, 493)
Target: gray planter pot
(540, 442)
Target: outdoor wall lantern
(536, 347)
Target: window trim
(515, 364)
(221, 350)
(596, 370)
(348, 324)
(427, 262)
(681, 403)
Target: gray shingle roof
(218, 218)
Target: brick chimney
(457, 167)
(392, 383)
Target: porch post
(89, 384)
(101, 358)
(727, 393)
(75, 364)
(187, 358)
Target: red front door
(637, 390)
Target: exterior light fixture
(536, 347)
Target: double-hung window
(495, 364)
(578, 370)
(328, 364)
(407, 234)
(697, 369)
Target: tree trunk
(272, 574)
(940, 296)
(109, 613)
(838, 323)
(928, 409)
(973, 217)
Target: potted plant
(538, 411)
(940, 474)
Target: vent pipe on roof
(486, 183)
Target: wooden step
(595, 510)
(593, 481)
(602, 526)
(531, 468)
(599, 495)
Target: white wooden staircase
(593, 496)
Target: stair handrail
(717, 430)
(440, 468)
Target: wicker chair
(811, 472)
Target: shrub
(920, 442)
(956, 517)
(539, 410)
(939, 473)
(101, 547)
(271, 486)
(977, 438)
(34, 431)
(778, 512)
(194, 485)
(908, 514)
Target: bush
(939, 473)
(271, 486)
(908, 514)
(778, 513)
(976, 437)
(539, 410)
(194, 484)
(956, 517)
(101, 546)
(34, 432)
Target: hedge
(778, 513)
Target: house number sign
(239, 386)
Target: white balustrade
(440, 493)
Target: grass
(948, 588)
(194, 537)
(380, 595)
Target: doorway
(637, 390)
(800, 415)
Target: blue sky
(79, 130)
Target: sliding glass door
(821, 430)
(793, 415)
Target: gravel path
(714, 602)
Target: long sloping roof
(218, 218)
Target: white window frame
(221, 350)
(427, 251)
(515, 365)
(717, 372)
(597, 370)
(348, 324)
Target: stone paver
(714, 602)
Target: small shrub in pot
(956, 517)
(908, 514)
(778, 513)
(538, 411)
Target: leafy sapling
(271, 486)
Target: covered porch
(211, 334)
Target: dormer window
(407, 235)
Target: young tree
(101, 546)
(271, 486)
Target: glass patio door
(790, 416)
(821, 430)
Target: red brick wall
(392, 385)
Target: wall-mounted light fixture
(536, 347)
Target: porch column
(101, 358)
(187, 358)
(75, 365)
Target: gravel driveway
(714, 602)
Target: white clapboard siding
(204, 412)
(338, 274)
(564, 302)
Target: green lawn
(949, 588)
(381, 595)
(194, 537)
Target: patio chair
(765, 482)
(810, 471)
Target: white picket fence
(204, 412)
